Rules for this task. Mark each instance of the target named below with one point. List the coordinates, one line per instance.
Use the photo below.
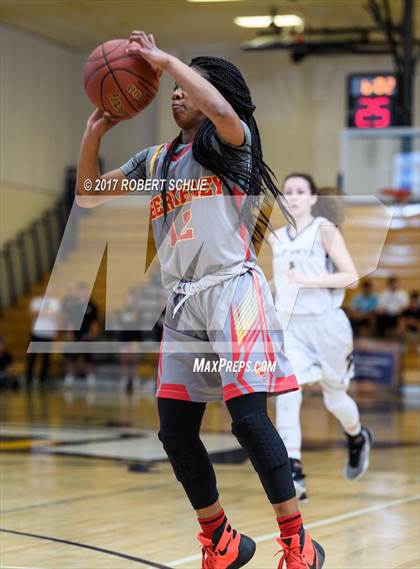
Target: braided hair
(257, 181)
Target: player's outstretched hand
(144, 44)
(100, 122)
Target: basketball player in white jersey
(312, 266)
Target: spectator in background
(6, 360)
(391, 303)
(76, 304)
(363, 307)
(45, 314)
(128, 324)
(67, 306)
(409, 324)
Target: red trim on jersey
(276, 384)
(236, 351)
(285, 384)
(230, 391)
(178, 156)
(282, 385)
(173, 391)
(268, 346)
(239, 196)
(245, 241)
(159, 369)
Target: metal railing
(25, 259)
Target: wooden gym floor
(84, 486)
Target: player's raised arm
(88, 168)
(210, 102)
(346, 274)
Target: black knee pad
(192, 467)
(182, 453)
(258, 436)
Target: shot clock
(373, 100)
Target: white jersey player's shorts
(223, 342)
(320, 348)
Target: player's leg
(249, 334)
(359, 438)
(268, 455)
(181, 392)
(337, 371)
(288, 406)
(288, 409)
(180, 421)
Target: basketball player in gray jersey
(311, 266)
(185, 230)
(219, 296)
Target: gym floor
(85, 485)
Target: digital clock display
(373, 100)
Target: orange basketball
(119, 83)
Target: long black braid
(258, 181)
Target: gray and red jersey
(220, 306)
(203, 234)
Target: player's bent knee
(182, 454)
(258, 436)
(334, 399)
(192, 467)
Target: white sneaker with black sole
(359, 455)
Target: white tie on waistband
(190, 288)
(180, 303)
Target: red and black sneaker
(300, 551)
(232, 551)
